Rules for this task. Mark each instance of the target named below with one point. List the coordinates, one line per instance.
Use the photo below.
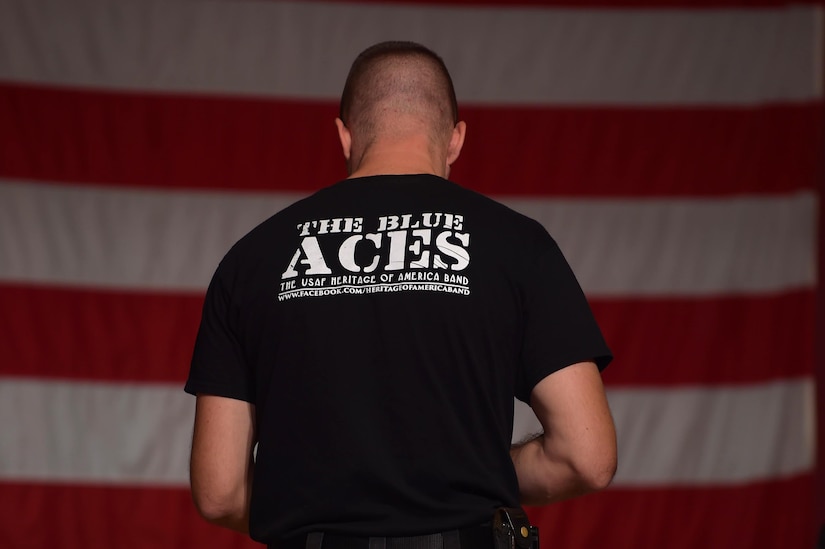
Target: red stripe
(257, 144)
(768, 515)
(820, 354)
(97, 335)
(716, 340)
(84, 517)
(122, 336)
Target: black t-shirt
(382, 327)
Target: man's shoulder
(269, 232)
(503, 215)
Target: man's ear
(456, 142)
(345, 137)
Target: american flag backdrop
(674, 148)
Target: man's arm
(220, 469)
(577, 452)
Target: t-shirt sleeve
(218, 366)
(559, 327)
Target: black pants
(477, 537)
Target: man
(370, 339)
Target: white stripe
(95, 432)
(684, 246)
(497, 55)
(140, 434)
(819, 52)
(137, 239)
(93, 236)
(701, 435)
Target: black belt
(475, 537)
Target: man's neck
(409, 156)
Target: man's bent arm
(577, 452)
(221, 465)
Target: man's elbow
(596, 472)
(211, 510)
(597, 459)
(221, 508)
(572, 477)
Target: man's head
(395, 92)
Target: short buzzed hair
(406, 76)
